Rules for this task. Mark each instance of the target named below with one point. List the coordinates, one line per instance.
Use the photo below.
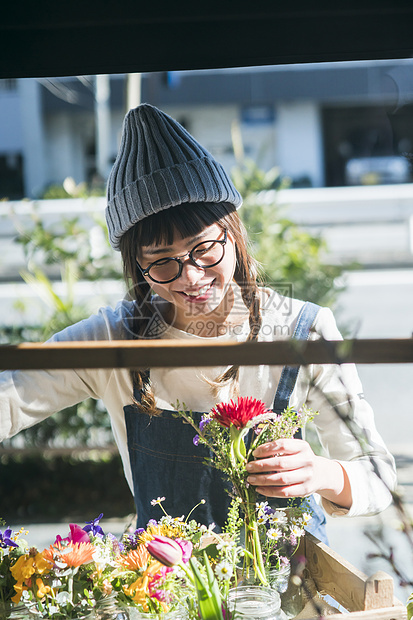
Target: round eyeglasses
(205, 254)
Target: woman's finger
(281, 446)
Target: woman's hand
(289, 468)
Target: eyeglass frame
(178, 259)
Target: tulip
(165, 550)
(186, 547)
(77, 535)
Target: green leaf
(410, 607)
(209, 602)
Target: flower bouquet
(232, 431)
(175, 563)
(72, 577)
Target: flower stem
(258, 563)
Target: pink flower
(77, 535)
(239, 413)
(160, 595)
(186, 547)
(165, 550)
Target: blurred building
(329, 124)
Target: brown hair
(187, 220)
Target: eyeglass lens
(205, 254)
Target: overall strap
(289, 374)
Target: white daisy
(224, 571)
(278, 517)
(297, 531)
(273, 534)
(156, 501)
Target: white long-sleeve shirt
(27, 397)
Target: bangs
(184, 220)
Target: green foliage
(65, 311)
(83, 424)
(291, 259)
(410, 607)
(78, 252)
(68, 240)
(69, 189)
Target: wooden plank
(378, 591)
(335, 576)
(366, 598)
(170, 353)
(386, 613)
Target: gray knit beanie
(160, 165)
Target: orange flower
(135, 559)
(73, 554)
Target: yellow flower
(26, 566)
(173, 530)
(23, 568)
(43, 565)
(42, 589)
(18, 587)
(138, 591)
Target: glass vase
(14, 612)
(254, 602)
(109, 609)
(278, 578)
(31, 612)
(176, 614)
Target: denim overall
(166, 463)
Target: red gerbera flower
(239, 413)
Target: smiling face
(199, 292)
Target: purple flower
(94, 527)
(195, 440)
(117, 545)
(204, 421)
(152, 522)
(5, 540)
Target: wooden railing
(170, 353)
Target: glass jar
(23, 612)
(109, 609)
(15, 612)
(176, 614)
(277, 578)
(255, 602)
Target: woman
(172, 212)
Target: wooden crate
(327, 573)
